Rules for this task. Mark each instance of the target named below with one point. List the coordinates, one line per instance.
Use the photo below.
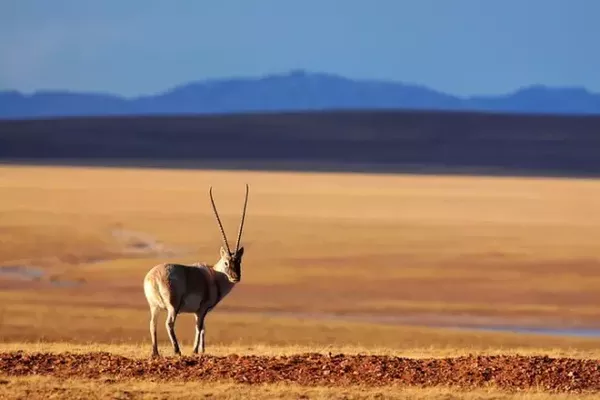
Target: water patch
(491, 324)
(66, 283)
(133, 244)
(137, 243)
(575, 332)
(21, 272)
(34, 274)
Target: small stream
(139, 244)
(133, 244)
(21, 272)
(575, 332)
(488, 324)
(30, 273)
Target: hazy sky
(461, 47)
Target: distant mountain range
(294, 91)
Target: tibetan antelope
(194, 288)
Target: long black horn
(237, 244)
(219, 220)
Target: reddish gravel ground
(504, 372)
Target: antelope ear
(240, 252)
(224, 253)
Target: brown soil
(504, 372)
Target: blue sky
(463, 47)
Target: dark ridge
(355, 141)
(294, 91)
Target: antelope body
(197, 288)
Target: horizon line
(298, 72)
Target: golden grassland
(494, 346)
(328, 243)
(426, 248)
(45, 388)
(124, 331)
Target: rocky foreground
(504, 372)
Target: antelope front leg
(199, 340)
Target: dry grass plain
(390, 253)
(47, 388)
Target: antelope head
(230, 262)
